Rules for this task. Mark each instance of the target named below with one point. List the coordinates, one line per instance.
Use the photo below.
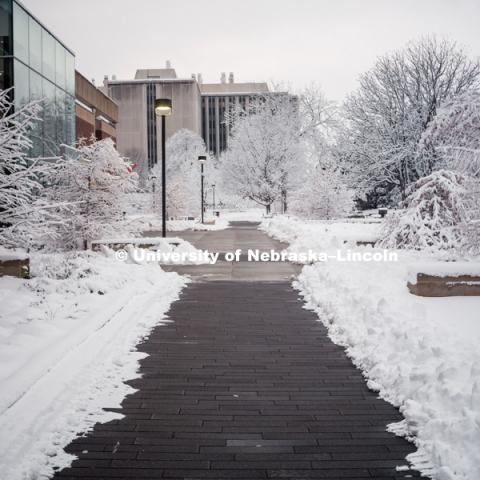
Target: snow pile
(67, 339)
(421, 354)
(320, 235)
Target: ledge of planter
(142, 242)
(15, 267)
(445, 279)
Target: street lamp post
(163, 108)
(213, 189)
(153, 178)
(201, 159)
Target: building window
(59, 65)
(70, 73)
(5, 27)
(20, 33)
(35, 44)
(151, 126)
(22, 84)
(48, 55)
(49, 122)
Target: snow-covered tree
(95, 184)
(431, 216)
(25, 216)
(183, 174)
(323, 195)
(264, 150)
(394, 105)
(453, 141)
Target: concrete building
(96, 114)
(138, 129)
(39, 66)
(197, 106)
(217, 100)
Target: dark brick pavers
(244, 384)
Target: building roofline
(152, 80)
(97, 88)
(232, 93)
(44, 26)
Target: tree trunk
(268, 209)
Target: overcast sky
(296, 42)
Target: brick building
(96, 113)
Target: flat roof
(233, 88)
(44, 26)
(152, 80)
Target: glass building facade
(40, 68)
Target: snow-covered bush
(94, 184)
(25, 216)
(183, 174)
(324, 195)
(431, 216)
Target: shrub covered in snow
(24, 215)
(94, 184)
(324, 195)
(431, 215)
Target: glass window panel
(59, 65)
(60, 100)
(35, 44)
(20, 33)
(22, 84)
(36, 135)
(48, 55)
(70, 120)
(70, 72)
(49, 119)
(6, 77)
(5, 29)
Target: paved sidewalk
(244, 384)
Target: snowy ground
(421, 354)
(67, 339)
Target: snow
(421, 354)
(318, 235)
(153, 222)
(67, 339)
(12, 254)
(245, 214)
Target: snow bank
(421, 354)
(320, 235)
(67, 339)
(183, 252)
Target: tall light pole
(201, 159)
(163, 108)
(213, 189)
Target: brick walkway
(244, 384)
